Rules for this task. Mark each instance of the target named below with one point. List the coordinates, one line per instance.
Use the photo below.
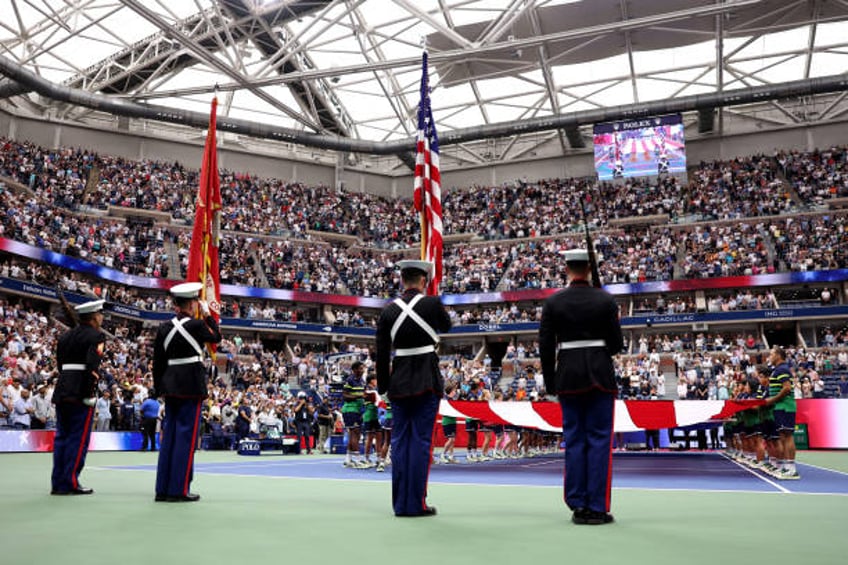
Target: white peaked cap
(425, 266)
(187, 290)
(90, 307)
(576, 255)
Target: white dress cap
(425, 266)
(90, 307)
(576, 256)
(187, 290)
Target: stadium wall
(275, 160)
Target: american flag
(428, 187)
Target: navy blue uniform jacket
(81, 345)
(414, 374)
(186, 381)
(579, 312)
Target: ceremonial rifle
(593, 260)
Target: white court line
(269, 463)
(820, 468)
(540, 463)
(730, 491)
(753, 472)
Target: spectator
(22, 411)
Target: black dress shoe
(76, 491)
(579, 516)
(595, 518)
(428, 511)
(161, 498)
(190, 497)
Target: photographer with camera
(303, 415)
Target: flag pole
(425, 85)
(204, 245)
(427, 185)
(423, 236)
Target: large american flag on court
(630, 415)
(428, 187)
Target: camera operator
(303, 414)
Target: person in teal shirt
(782, 398)
(353, 393)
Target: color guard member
(578, 335)
(78, 356)
(410, 326)
(180, 377)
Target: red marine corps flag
(203, 253)
(428, 187)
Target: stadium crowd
(816, 176)
(518, 232)
(546, 211)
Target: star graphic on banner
(23, 439)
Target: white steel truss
(351, 68)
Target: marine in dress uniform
(410, 326)
(180, 377)
(578, 335)
(78, 356)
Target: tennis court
(669, 507)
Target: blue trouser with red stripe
(587, 422)
(70, 444)
(412, 440)
(176, 446)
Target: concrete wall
(38, 132)
(574, 165)
(363, 181)
(752, 138)
(5, 120)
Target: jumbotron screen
(640, 148)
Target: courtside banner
(42, 441)
(35, 290)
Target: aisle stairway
(261, 277)
(172, 250)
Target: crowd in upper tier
(816, 176)
(764, 214)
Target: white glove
(90, 401)
(204, 307)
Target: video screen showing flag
(640, 148)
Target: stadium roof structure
(348, 71)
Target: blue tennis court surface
(662, 471)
